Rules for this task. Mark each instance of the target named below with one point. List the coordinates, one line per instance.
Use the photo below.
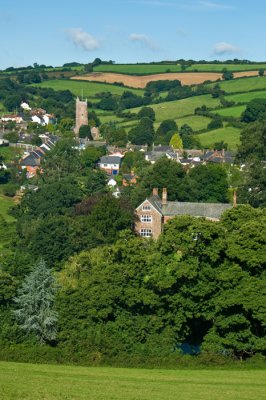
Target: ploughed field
(57, 382)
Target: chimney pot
(155, 191)
(235, 198)
(164, 196)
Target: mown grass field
(229, 135)
(138, 69)
(229, 67)
(246, 97)
(181, 108)
(231, 111)
(89, 89)
(197, 122)
(161, 68)
(243, 84)
(50, 382)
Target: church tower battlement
(81, 114)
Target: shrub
(10, 189)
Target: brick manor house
(154, 212)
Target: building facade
(154, 212)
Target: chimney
(155, 191)
(234, 198)
(164, 196)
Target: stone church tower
(81, 114)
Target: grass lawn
(243, 84)
(5, 204)
(138, 69)
(229, 135)
(230, 111)
(49, 382)
(90, 89)
(9, 153)
(246, 97)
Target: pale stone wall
(81, 114)
(155, 225)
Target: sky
(54, 32)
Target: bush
(215, 124)
(10, 189)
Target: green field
(229, 67)
(51, 382)
(228, 134)
(143, 69)
(230, 111)
(5, 204)
(246, 97)
(180, 108)
(89, 89)
(197, 122)
(240, 85)
(138, 69)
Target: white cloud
(214, 6)
(225, 48)
(139, 37)
(83, 39)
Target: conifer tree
(35, 304)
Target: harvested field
(189, 78)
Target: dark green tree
(143, 133)
(165, 173)
(227, 75)
(253, 142)
(85, 132)
(255, 110)
(146, 112)
(215, 123)
(35, 304)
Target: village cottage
(154, 212)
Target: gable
(148, 203)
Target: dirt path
(188, 78)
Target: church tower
(81, 114)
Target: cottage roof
(38, 152)
(163, 149)
(207, 210)
(156, 202)
(110, 160)
(30, 161)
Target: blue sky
(58, 31)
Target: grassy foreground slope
(49, 382)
